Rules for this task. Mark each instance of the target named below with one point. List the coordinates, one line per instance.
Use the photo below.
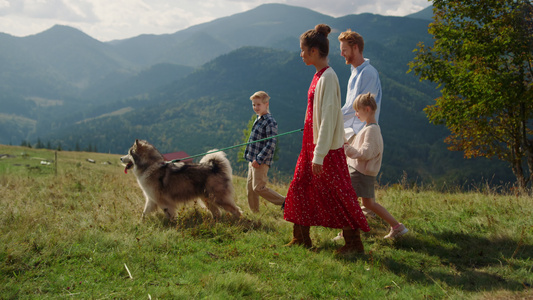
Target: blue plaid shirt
(262, 152)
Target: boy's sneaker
(396, 232)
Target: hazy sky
(107, 20)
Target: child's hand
(255, 164)
(350, 151)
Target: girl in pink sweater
(364, 161)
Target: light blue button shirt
(364, 79)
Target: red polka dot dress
(327, 199)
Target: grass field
(72, 230)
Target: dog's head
(140, 154)
(127, 161)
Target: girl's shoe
(396, 232)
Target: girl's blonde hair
(365, 100)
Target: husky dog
(166, 184)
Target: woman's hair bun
(323, 28)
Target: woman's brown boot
(301, 236)
(352, 238)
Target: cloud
(118, 19)
(67, 10)
(340, 8)
(4, 5)
(134, 17)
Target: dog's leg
(212, 207)
(170, 213)
(232, 208)
(225, 200)
(169, 208)
(149, 207)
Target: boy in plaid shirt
(260, 154)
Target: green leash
(223, 149)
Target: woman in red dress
(321, 193)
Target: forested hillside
(187, 116)
(189, 91)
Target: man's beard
(349, 59)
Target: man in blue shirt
(364, 79)
(260, 154)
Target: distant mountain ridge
(189, 90)
(263, 26)
(425, 14)
(63, 62)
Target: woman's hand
(317, 169)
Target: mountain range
(189, 91)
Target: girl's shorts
(363, 184)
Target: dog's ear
(136, 142)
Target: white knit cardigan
(328, 125)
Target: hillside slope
(189, 90)
(185, 117)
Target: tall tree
(482, 60)
(39, 144)
(245, 135)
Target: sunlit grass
(76, 230)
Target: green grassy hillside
(72, 229)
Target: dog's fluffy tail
(219, 161)
(220, 164)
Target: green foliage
(245, 136)
(481, 58)
(78, 234)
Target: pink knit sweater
(366, 151)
